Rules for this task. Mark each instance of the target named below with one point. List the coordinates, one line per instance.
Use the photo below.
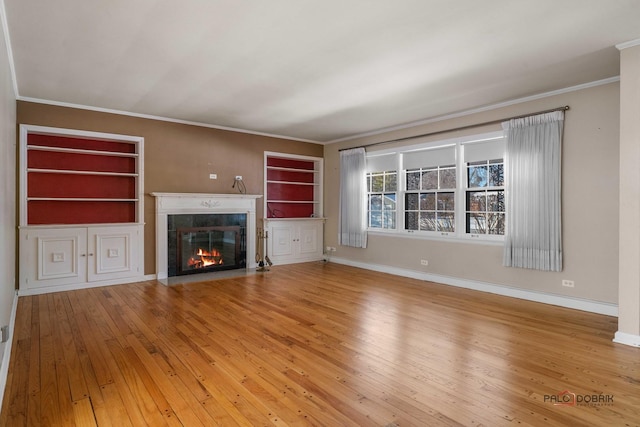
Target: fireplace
(224, 222)
(201, 243)
(208, 249)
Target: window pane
(428, 221)
(446, 221)
(390, 182)
(477, 176)
(428, 201)
(446, 201)
(411, 220)
(496, 175)
(389, 219)
(377, 183)
(411, 201)
(476, 201)
(430, 180)
(448, 178)
(375, 202)
(495, 223)
(495, 201)
(413, 181)
(476, 223)
(390, 201)
(375, 219)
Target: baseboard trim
(79, 286)
(6, 355)
(627, 339)
(552, 299)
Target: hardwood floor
(313, 344)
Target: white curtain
(533, 237)
(352, 222)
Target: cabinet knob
(83, 254)
(90, 254)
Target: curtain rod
(492, 122)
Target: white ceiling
(315, 70)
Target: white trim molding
(627, 339)
(598, 307)
(631, 43)
(198, 203)
(159, 118)
(6, 354)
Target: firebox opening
(208, 248)
(203, 243)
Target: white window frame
(460, 209)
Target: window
(381, 199)
(449, 189)
(485, 197)
(430, 199)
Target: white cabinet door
(112, 253)
(309, 239)
(54, 257)
(281, 240)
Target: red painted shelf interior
(289, 210)
(289, 163)
(295, 185)
(71, 185)
(289, 176)
(47, 212)
(292, 192)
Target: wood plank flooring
(313, 345)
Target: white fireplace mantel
(197, 203)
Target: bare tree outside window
(430, 199)
(485, 197)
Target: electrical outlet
(5, 333)
(238, 177)
(331, 249)
(424, 262)
(568, 284)
(213, 176)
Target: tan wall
(590, 205)
(178, 157)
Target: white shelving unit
(293, 207)
(81, 213)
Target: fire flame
(204, 259)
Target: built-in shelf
(79, 199)
(71, 177)
(81, 209)
(80, 172)
(293, 186)
(80, 151)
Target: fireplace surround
(191, 212)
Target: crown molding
(160, 118)
(631, 43)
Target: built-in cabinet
(81, 209)
(293, 222)
(294, 240)
(61, 258)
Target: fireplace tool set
(263, 262)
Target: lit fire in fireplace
(204, 259)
